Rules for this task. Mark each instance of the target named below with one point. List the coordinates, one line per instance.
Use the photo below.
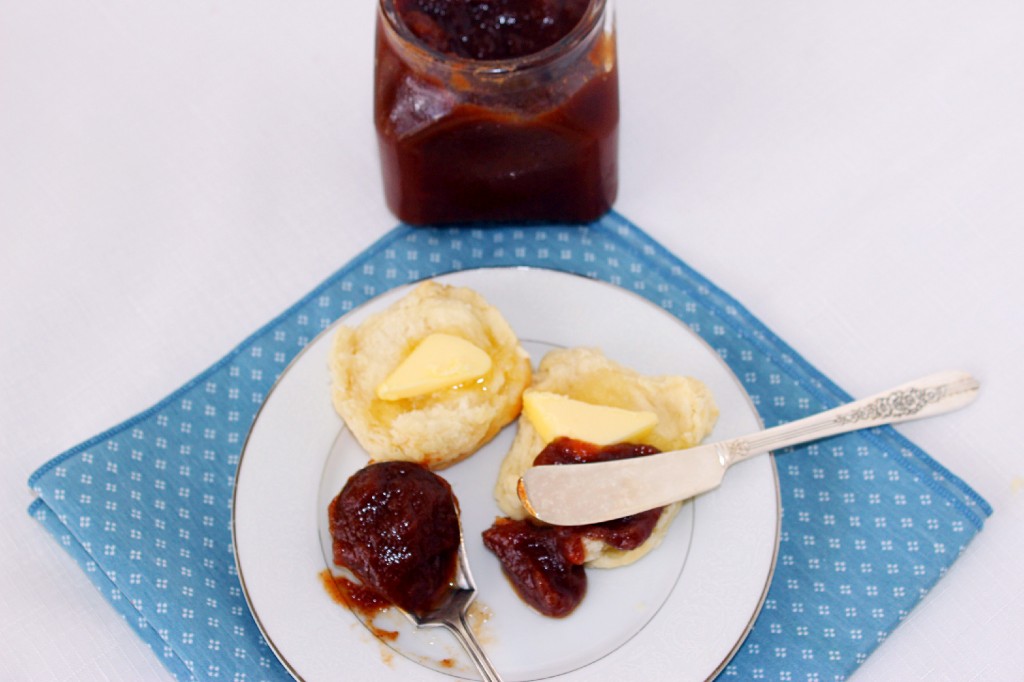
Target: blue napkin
(870, 522)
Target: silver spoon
(452, 614)
(451, 610)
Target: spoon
(393, 528)
(452, 614)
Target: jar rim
(578, 34)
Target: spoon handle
(462, 631)
(925, 397)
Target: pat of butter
(438, 361)
(555, 415)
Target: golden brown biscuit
(443, 427)
(686, 414)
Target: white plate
(680, 612)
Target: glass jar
(525, 138)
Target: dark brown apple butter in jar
(497, 110)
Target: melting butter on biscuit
(554, 415)
(438, 361)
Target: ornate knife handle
(931, 395)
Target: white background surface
(174, 174)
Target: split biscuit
(686, 414)
(444, 426)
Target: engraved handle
(931, 395)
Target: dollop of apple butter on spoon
(395, 525)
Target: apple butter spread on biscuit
(584, 407)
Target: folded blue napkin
(870, 522)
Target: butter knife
(578, 494)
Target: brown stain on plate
(360, 600)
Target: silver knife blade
(578, 494)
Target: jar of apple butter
(497, 110)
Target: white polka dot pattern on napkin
(870, 522)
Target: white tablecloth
(173, 175)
